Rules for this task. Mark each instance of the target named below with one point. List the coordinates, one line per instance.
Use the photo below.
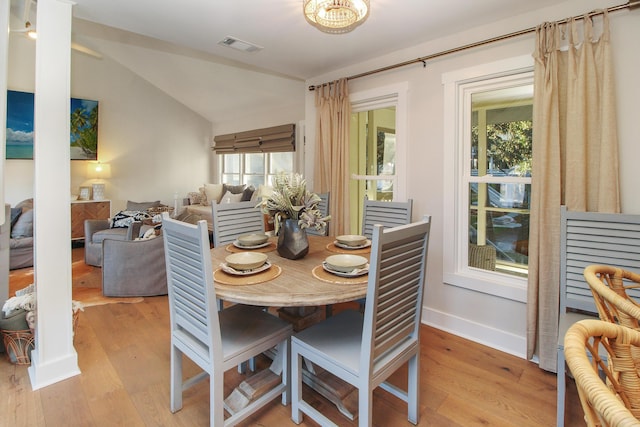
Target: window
(499, 178)
(254, 168)
(488, 135)
(377, 147)
(254, 157)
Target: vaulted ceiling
(174, 43)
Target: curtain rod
(631, 4)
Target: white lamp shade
(97, 170)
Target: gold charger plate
(234, 249)
(253, 279)
(321, 274)
(331, 247)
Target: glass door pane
(372, 153)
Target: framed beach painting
(20, 116)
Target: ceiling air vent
(239, 44)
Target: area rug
(93, 296)
(86, 285)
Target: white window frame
(388, 96)
(242, 172)
(458, 87)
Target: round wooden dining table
(289, 283)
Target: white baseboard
(44, 374)
(482, 334)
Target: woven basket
(18, 344)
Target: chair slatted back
(396, 284)
(194, 317)
(594, 238)
(388, 214)
(231, 220)
(323, 207)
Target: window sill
(491, 283)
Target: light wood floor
(123, 353)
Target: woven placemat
(322, 274)
(234, 249)
(331, 247)
(252, 279)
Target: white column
(4, 59)
(54, 357)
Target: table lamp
(98, 171)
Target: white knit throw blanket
(27, 301)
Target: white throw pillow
(214, 192)
(229, 197)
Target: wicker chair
(614, 401)
(614, 290)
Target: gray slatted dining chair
(215, 341)
(231, 220)
(323, 207)
(388, 214)
(364, 350)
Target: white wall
(155, 145)
(498, 322)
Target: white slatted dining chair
(231, 220)
(388, 214)
(215, 341)
(364, 350)
(323, 207)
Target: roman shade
(267, 140)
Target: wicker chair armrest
(600, 400)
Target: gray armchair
(133, 267)
(98, 230)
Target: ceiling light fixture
(336, 16)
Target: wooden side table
(87, 209)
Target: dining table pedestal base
(301, 317)
(251, 389)
(337, 391)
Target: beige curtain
(332, 151)
(575, 157)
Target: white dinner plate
(357, 273)
(235, 272)
(343, 246)
(261, 245)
